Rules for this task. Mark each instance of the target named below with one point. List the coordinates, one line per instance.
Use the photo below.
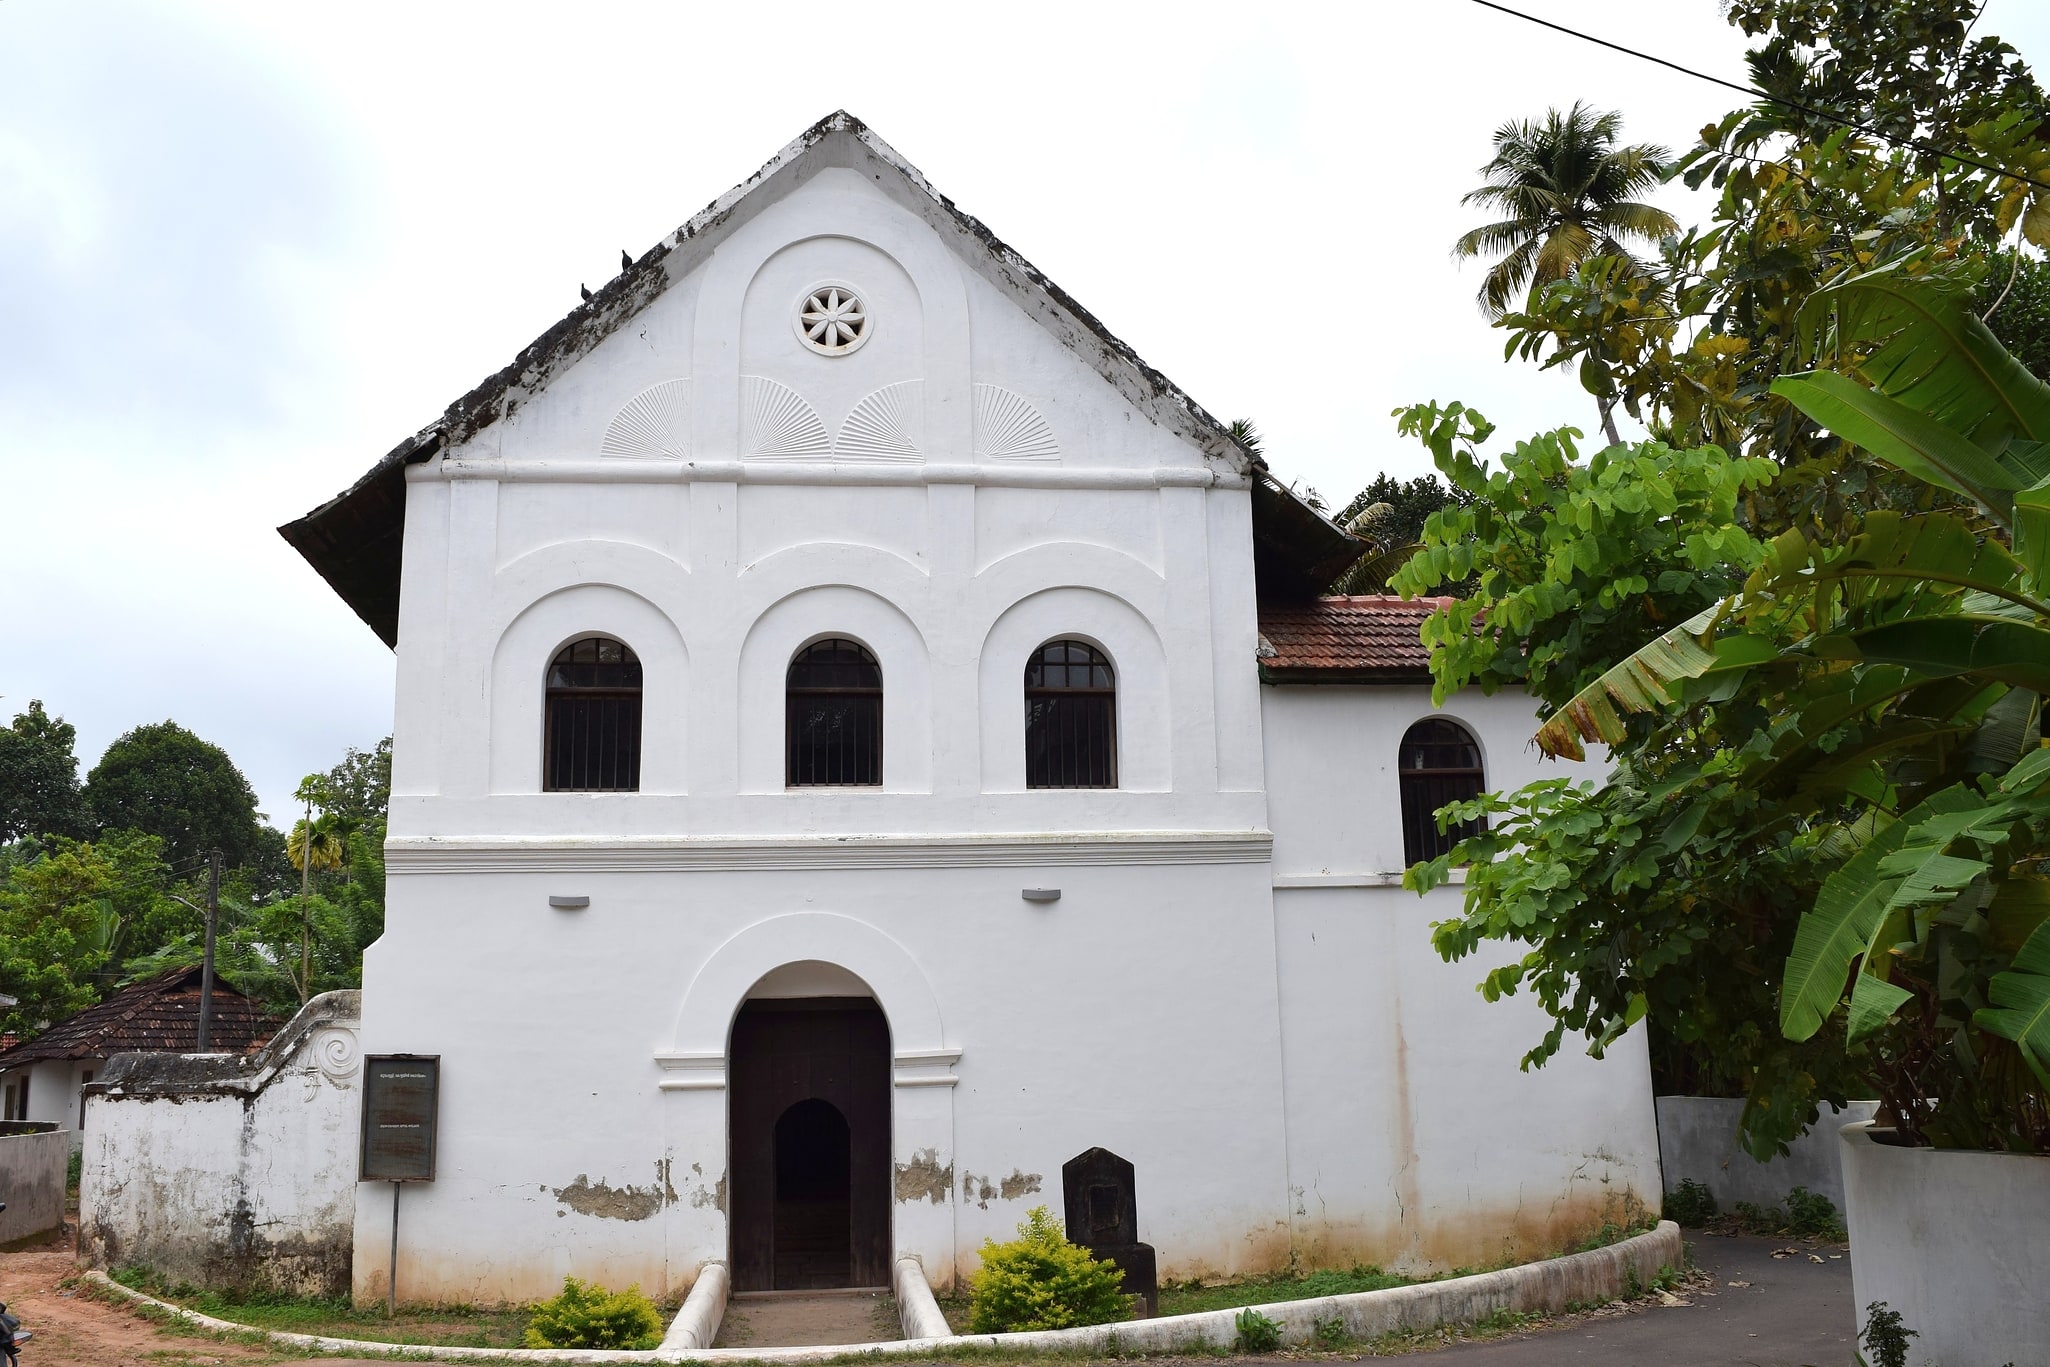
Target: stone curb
(1554, 1285)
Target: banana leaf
(1923, 346)
(2021, 1003)
(1643, 681)
(1853, 900)
(1906, 438)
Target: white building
(767, 602)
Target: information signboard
(401, 1093)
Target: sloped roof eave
(354, 539)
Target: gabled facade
(834, 785)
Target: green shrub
(1885, 1337)
(1811, 1213)
(1041, 1281)
(72, 1170)
(587, 1316)
(1693, 1204)
(1332, 1333)
(1257, 1333)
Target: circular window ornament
(832, 319)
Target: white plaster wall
(1133, 1014)
(1414, 1139)
(220, 1186)
(53, 1092)
(32, 1176)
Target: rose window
(832, 320)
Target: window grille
(833, 717)
(1071, 716)
(593, 741)
(1439, 763)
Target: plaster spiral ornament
(884, 426)
(654, 425)
(1008, 427)
(832, 319)
(777, 424)
(336, 1053)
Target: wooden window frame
(1421, 840)
(793, 693)
(1108, 693)
(552, 694)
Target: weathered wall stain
(924, 1177)
(981, 1192)
(608, 1202)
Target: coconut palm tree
(1564, 189)
(312, 844)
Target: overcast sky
(247, 248)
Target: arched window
(1071, 717)
(1440, 763)
(833, 716)
(593, 740)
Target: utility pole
(206, 970)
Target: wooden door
(808, 1196)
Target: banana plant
(1903, 670)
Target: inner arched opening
(813, 1181)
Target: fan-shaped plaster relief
(887, 425)
(775, 517)
(654, 425)
(531, 516)
(844, 377)
(1091, 424)
(776, 423)
(1011, 520)
(1008, 427)
(593, 406)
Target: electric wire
(1918, 144)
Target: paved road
(1794, 1313)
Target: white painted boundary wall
(226, 1171)
(1698, 1140)
(32, 1180)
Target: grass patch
(451, 1326)
(1187, 1298)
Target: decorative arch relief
(654, 425)
(1008, 427)
(887, 425)
(777, 424)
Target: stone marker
(1103, 1216)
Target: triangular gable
(354, 539)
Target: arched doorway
(808, 1195)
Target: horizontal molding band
(690, 1072)
(1352, 880)
(624, 470)
(416, 854)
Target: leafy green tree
(359, 788)
(39, 792)
(52, 911)
(1564, 190)
(165, 781)
(1825, 839)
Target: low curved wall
(1578, 1279)
(1954, 1242)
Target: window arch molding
(820, 613)
(1133, 647)
(511, 761)
(1439, 759)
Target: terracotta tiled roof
(159, 1015)
(1370, 638)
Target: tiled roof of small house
(1368, 638)
(159, 1015)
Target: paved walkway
(1761, 1311)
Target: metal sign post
(401, 1105)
